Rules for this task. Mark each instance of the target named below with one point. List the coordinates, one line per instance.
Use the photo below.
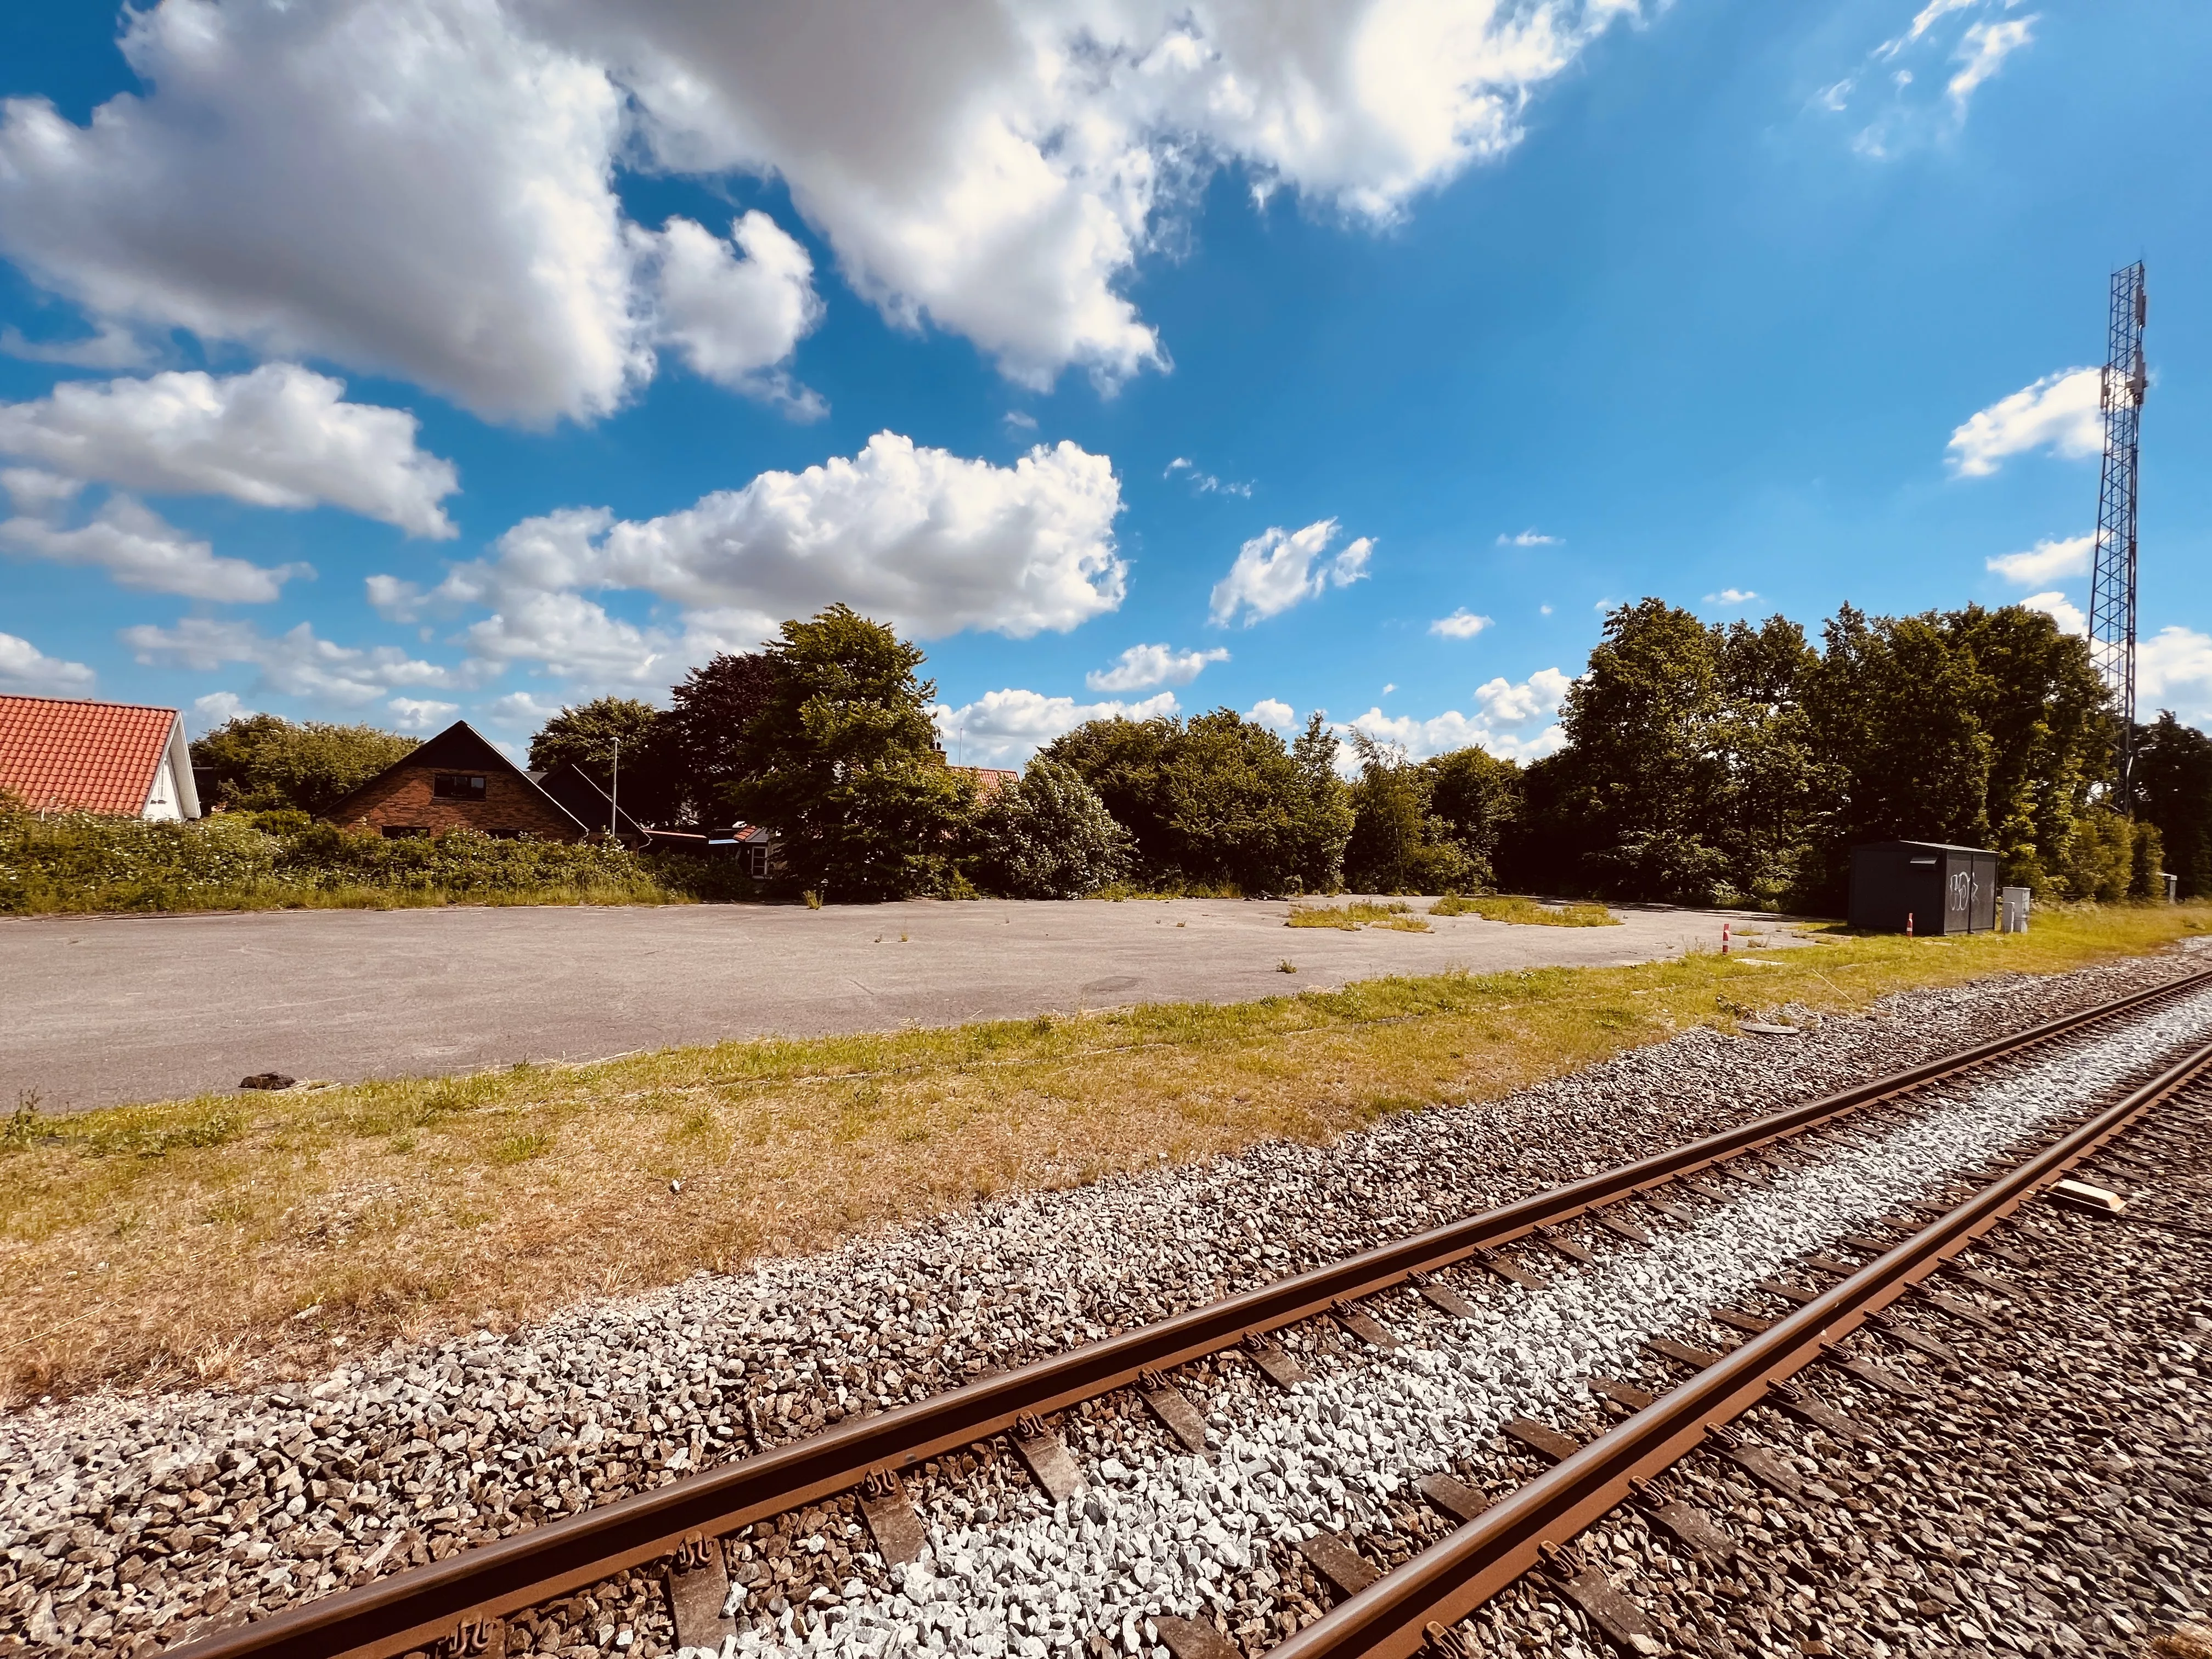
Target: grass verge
(163, 1242)
(1524, 912)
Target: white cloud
(217, 708)
(110, 346)
(519, 708)
(1004, 728)
(1274, 713)
(1504, 711)
(2175, 659)
(281, 436)
(140, 548)
(1543, 610)
(2062, 411)
(922, 538)
(426, 186)
(1142, 666)
(2061, 609)
(295, 663)
(1983, 51)
(1910, 120)
(25, 670)
(1279, 568)
(734, 320)
(421, 714)
(2046, 559)
(1020, 420)
(1731, 596)
(1530, 539)
(1462, 625)
(1204, 483)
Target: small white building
(73, 755)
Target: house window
(403, 831)
(757, 862)
(458, 785)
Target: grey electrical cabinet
(1942, 889)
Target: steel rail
(1448, 1582)
(424, 1604)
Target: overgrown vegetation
(259, 763)
(236, 861)
(1396, 915)
(187, 1240)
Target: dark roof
(584, 800)
(1936, 846)
(459, 748)
(83, 755)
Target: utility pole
(614, 797)
(2112, 576)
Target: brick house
(457, 780)
(73, 755)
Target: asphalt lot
(103, 1010)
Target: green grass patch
(1523, 912)
(1394, 914)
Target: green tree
(586, 736)
(1047, 835)
(1399, 843)
(701, 739)
(1475, 799)
(2173, 785)
(841, 762)
(264, 763)
(1217, 800)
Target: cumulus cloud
(425, 187)
(922, 538)
(1004, 728)
(2046, 559)
(281, 436)
(519, 708)
(1142, 666)
(421, 714)
(2061, 609)
(140, 548)
(1504, 709)
(294, 664)
(1530, 539)
(25, 670)
(1279, 568)
(1272, 711)
(1731, 596)
(732, 319)
(1462, 625)
(2176, 659)
(2062, 413)
(216, 708)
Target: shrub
(1047, 835)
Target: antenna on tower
(2113, 578)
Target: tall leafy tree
(1047, 835)
(2173, 785)
(701, 738)
(842, 761)
(587, 736)
(263, 762)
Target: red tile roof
(90, 756)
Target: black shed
(1943, 889)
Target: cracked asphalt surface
(102, 1010)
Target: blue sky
(435, 357)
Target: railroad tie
(697, 1583)
(1047, 1458)
(891, 1517)
(1454, 1497)
(1440, 1297)
(1604, 1605)
(1331, 1556)
(1277, 1366)
(1361, 1324)
(1547, 1443)
(1173, 1407)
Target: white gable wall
(172, 796)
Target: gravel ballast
(130, 1518)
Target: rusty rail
(424, 1605)
(1445, 1584)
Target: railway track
(457, 1606)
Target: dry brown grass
(1523, 912)
(2191, 1641)
(1396, 914)
(207, 1238)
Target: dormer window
(458, 785)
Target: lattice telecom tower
(2113, 578)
